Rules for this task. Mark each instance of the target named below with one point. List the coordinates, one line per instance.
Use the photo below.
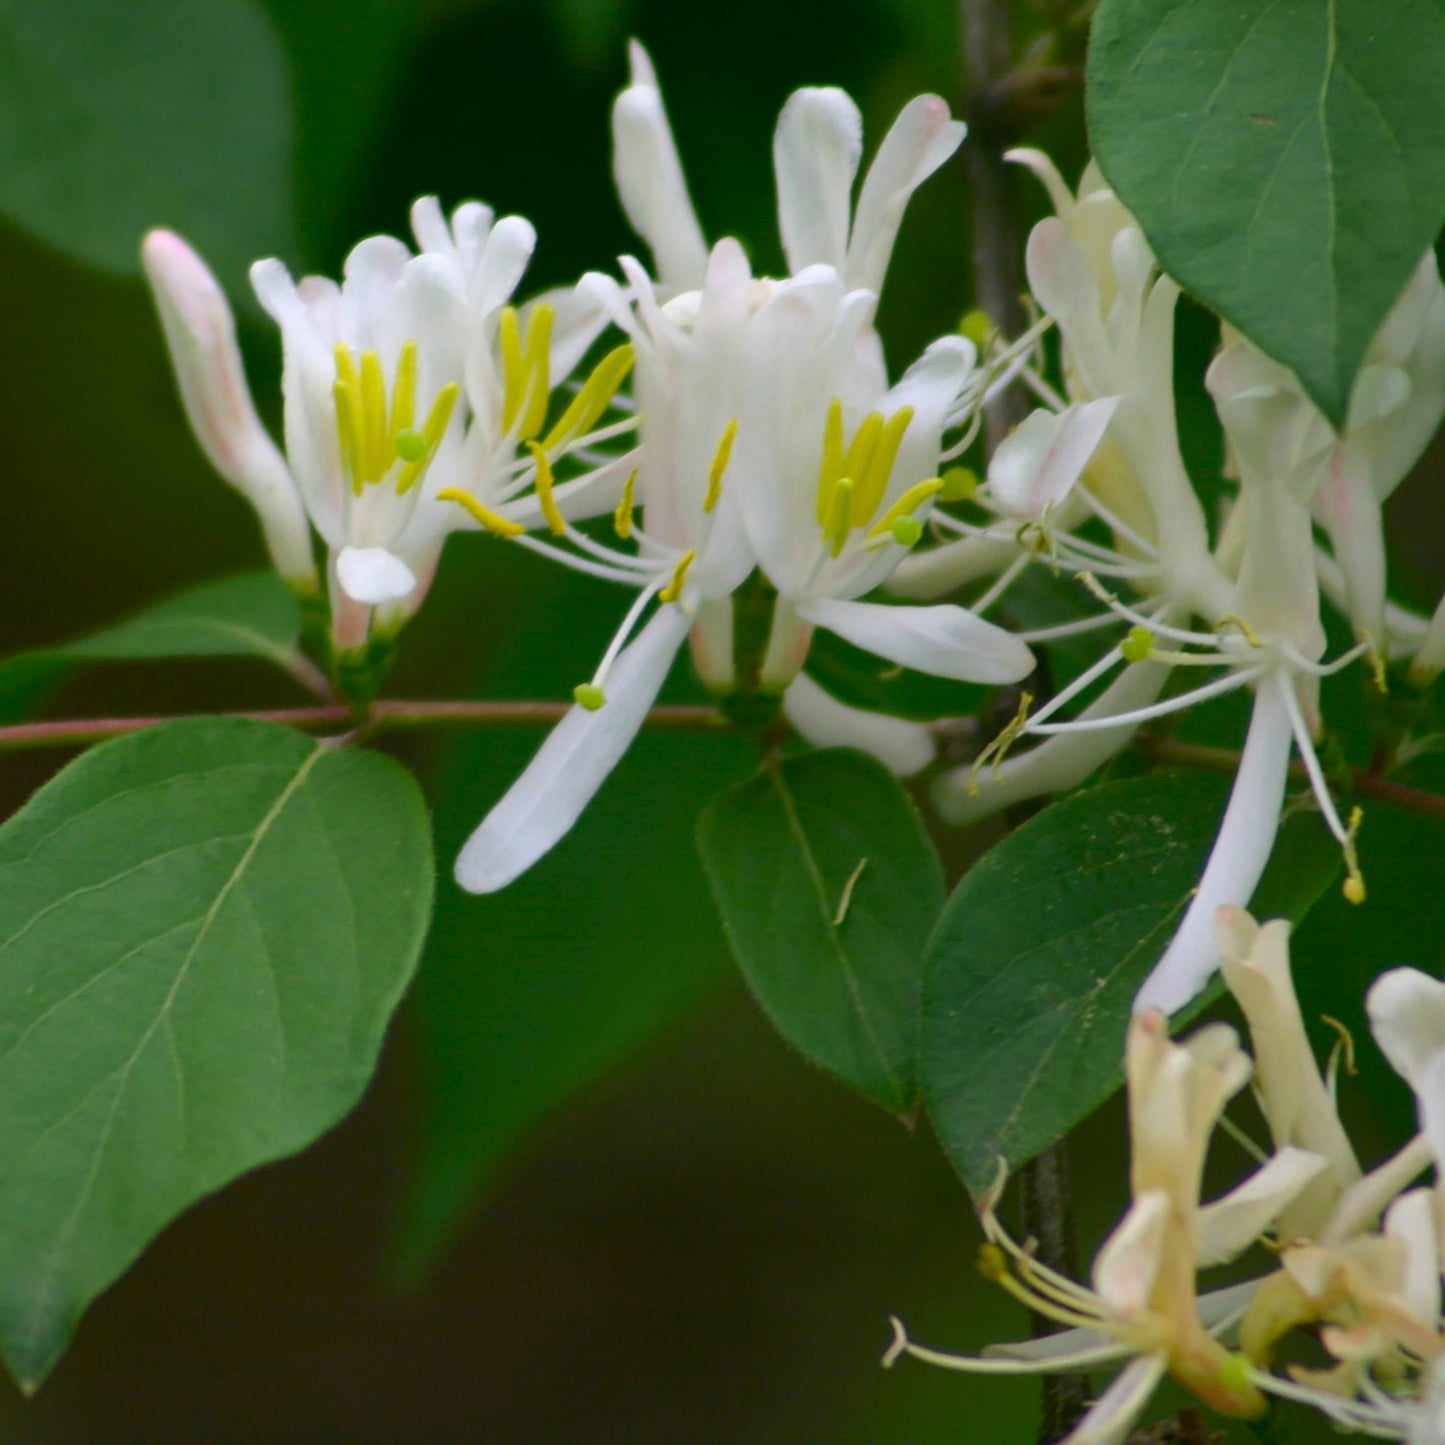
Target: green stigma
(1138, 645)
(959, 484)
(410, 445)
(590, 696)
(906, 530)
(976, 327)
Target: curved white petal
(1229, 1225)
(918, 142)
(902, 747)
(1113, 1414)
(945, 641)
(201, 336)
(816, 150)
(1061, 762)
(650, 182)
(1036, 465)
(373, 575)
(1241, 849)
(544, 803)
(1407, 1016)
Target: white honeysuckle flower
(411, 377)
(732, 476)
(1143, 1306)
(1407, 1016)
(1297, 1104)
(816, 151)
(201, 335)
(903, 747)
(1417, 1418)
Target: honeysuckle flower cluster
(731, 450)
(1356, 1257)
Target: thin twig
(1366, 784)
(383, 716)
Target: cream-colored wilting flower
(1143, 1307)
(412, 376)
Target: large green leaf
(828, 887)
(118, 115)
(204, 930)
(1034, 965)
(248, 616)
(1286, 159)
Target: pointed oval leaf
(1032, 971)
(252, 615)
(204, 930)
(828, 887)
(1286, 159)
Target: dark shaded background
(705, 1245)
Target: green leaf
(1033, 968)
(204, 930)
(248, 616)
(828, 887)
(1286, 159)
(118, 115)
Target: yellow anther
(959, 484)
(590, 696)
(348, 428)
(673, 590)
(403, 392)
(539, 369)
(840, 516)
(873, 480)
(832, 468)
(864, 444)
(720, 460)
(1354, 885)
(997, 750)
(622, 517)
(551, 512)
(1344, 1049)
(1231, 619)
(514, 366)
(432, 432)
(593, 399)
(379, 452)
(498, 525)
(976, 327)
(906, 505)
(992, 1263)
(1137, 645)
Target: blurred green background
(591, 1197)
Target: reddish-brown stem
(391, 713)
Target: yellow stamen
(373, 417)
(403, 392)
(720, 460)
(593, 399)
(840, 513)
(498, 525)
(874, 479)
(994, 1267)
(622, 517)
(348, 428)
(864, 444)
(432, 432)
(539, 369)
(1354, 885)
(906, 505)
(833, 467)
(545, 482)
(673, 590)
